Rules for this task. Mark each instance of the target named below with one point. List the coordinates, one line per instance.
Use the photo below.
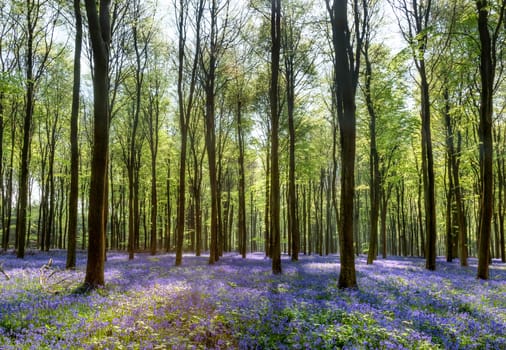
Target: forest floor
(150, 304)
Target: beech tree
(74, 142)
(186, 86)
(274, 153)
(99, 28)
(417, 17)
(374, 172)
(220, 35)
(488, 65)
(346, 61)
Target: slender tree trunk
(241, 222)
(99, 27)
(198, 221)
(168, 223)
(181, 201)
(154, 204)
(274, 104)
(153, 119)
(448, 214)
(293, 229)
(501, 183)
(428, 173)
(487, 74)
(50, 224)
(304, 220)
(346, 67)
(267, 222)
(211, 156)
(185, 106)
(74, 142)
(374, 174)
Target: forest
(313, 145)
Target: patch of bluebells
(148, 303)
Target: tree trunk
(153, 119)
(274, 104)
(154, 203)
(211, 154)
(293, 228)
(99, 27)
(74, 142)
(168, 223)
(501, 197)
(185, 107)
(374, 174)
(345, 81)
(487, 68)
(428, 173)
(241, 222)
(267, 222)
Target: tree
(488, 61)
(274, 116)
(241, 224)
(185, 96)
(374, 172)
(141, 38)
(418, 16)
(219, 38)
(209, 72)
(100, 29)
(74, 142)
(346, 63)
